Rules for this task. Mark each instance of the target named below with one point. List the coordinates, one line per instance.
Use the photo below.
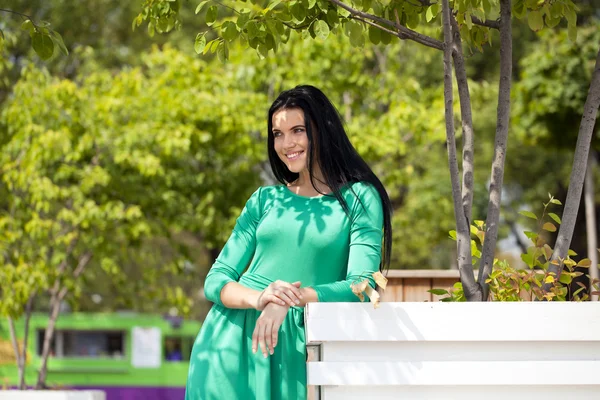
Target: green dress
(281, 235)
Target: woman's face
(290, 139)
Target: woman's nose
(288, 142)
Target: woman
(303, 241)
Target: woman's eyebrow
(292, 128)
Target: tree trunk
(463, 235)
(590, 221)
(15, 344)
(502, 125)
(48, 335)
(28, 311)
(580, 159)
(55, 301)
(467, 121)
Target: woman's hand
(280, 292)
(267, 327)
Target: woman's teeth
(293, 156)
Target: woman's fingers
(294, 289)
(274, 299)
(255, 338)
(269, 338)
(286, 296)
(261, 339)
(274, 336)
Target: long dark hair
(338, 160)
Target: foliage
(109, 161)
(44, 40)
(510, 284)
(553, 85)
(266, 25)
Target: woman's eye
(298, 130)
(276, 134)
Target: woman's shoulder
(362, 190)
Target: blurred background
(132, 156)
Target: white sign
(146, 347)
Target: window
(177, 348)
(89, 344)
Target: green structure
(128, 355)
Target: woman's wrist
(252, 299)
(309, 295)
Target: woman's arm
(366, 232)
(233, 259)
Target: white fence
(452, 351)
(52, 395)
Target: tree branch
(17, 13)
(406, 32)
(28, 311)
(463, 235)
(590, 221)
(15, 343)
(502, 124)
(460, 71)
(487, 23)
(54, 311)
(584, 137)
(393, 33)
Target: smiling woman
(305, 240)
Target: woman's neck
(304, 184)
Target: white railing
(52, 395)
(454, 351)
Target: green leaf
(223, 52)
(321, 29)
(332, 18)
(262, 50)
(468, 21)
(549, 226)
(200, 43)
(528, 214)
(243, 18)
(585, 263)
(555, 217)
(311, 4)
(527, 259)
(429, 14)
(535, 20)
(200, 6)
(151, 29)
(229, 31)
(452, 234)
(565, 278)
(519, 9)
(438, 292)
(571, 16)
(273, 4)
(374, 35)
(211, 15)
(386, 38)
(531, 235)
(571, 253)
(572, 29)
(252, 29)
(298, 12)
(214, 45)
(28, 26)
(43, 45)
(556, 201)
(487, 7)
(58, 40)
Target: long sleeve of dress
(238, 250)
(365, 246)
